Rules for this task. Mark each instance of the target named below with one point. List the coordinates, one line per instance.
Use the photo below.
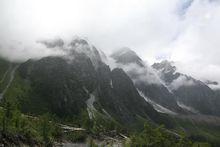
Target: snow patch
(90, 108)
(156, 106)
(111, 83)
(85, 89)
(106, 113)
(188, 108)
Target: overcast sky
(185, 31)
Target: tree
(158, 137)
(45, 129)
(8, 114)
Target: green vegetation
(44, 130)
(158, 137)
(39, 129)
(200, 132)
(102, 124)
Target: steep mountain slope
(145, 80)
(191, 93)
(119, 97)
(76, 82)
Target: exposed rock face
(190, 92)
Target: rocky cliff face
(190, 92)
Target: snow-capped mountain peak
(127, 56)
(83, 46)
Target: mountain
(77, 82)
(146, 81)
(81, 89)
(192, 94)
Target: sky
(184, 31)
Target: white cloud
(186, 31)
(19, 52)
(140, 74)
(200, 71)
(181, 81)
(108, 24)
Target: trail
(9, 82)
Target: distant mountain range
(192, 94)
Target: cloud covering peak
(186, 31)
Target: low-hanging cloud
(19, 52)
(52, 43)
(140, 74)
(181, 81)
